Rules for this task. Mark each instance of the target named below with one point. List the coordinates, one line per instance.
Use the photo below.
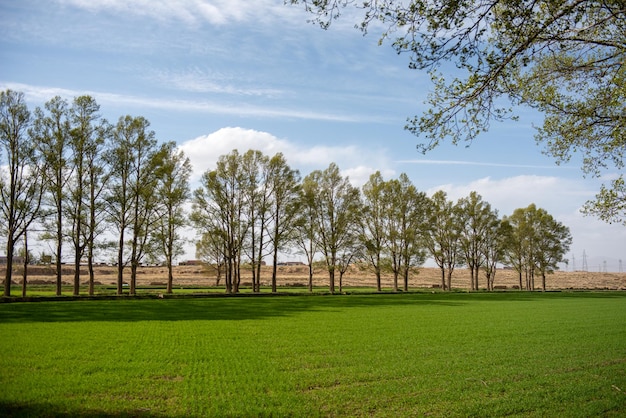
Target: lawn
(416, 354)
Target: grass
(520, 354)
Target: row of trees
(252, 206)
(80, 181)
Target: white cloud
(507, 194)
(360, 175)
(205, 150)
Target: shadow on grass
(15, 410)
(248, 307)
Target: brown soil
(298, 276)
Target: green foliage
(336, 209)
(553, 354)
(563, 58)
(537, 242)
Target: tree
(130, 199)
(374, 223)
(476, 220)
(146, 161)
(610, 203)
(283, 184)
(553, 243)
(337, 206)
(442, 236)
(257, 191)
(406, 218)
(97, 174)
(172, 194)
(563, 58)
(219, 209)
(538, 243)
(496, 237)
(51, 135)
(83, 135)
(211, 250)
(305, 223)
(21, 188)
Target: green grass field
(416, 354)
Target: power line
(585, 266)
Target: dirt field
(297, 276)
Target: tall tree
(554, 242)
(563, 58)
(524, 222)
(374, 223)
(476, 219)
(51, 133)
(283, 183)
(97, 174)
(255, 166)
(406, 218)
(413, 227)
(83, 117)
(130, 199)
(173, 193)
(219, 208)
(305, 226)
(338, 204)
(496, 238)
(442, 236)
(21, 188)
(145, 164)
(539, 242)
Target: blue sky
(214, 75)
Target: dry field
(185, 276)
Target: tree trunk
(59, 254)
(91, 274)
(274, 269)
(377, 270)
(120, 262)
(170, 273)
(133, 277)
(341, 281)
(443, 277)
(9, 272)
(25, 273)
(77, 270)
(406, 279)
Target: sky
(218, 75)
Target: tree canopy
(563, 58)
